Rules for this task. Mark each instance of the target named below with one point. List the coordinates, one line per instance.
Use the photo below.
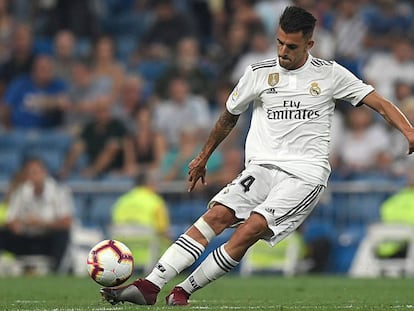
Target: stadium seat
(10, 162)
(101, 211)
(316, 229)
(48, 139)
(81, 208)
(185, 211)
(345, 247)
(356, 208)
(13, 140)
(367, 264)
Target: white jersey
(292, 113)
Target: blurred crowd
(137, 84)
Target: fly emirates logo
(292, 110)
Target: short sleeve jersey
(292, 113)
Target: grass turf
(228, 293)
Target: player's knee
(219, 218)
(256, 225)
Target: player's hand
(197, 170)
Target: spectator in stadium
(399, 64)
(105, 67)
(188, 64)
(287, 150)
(83, 91)
(243, 12)
(39, 215)
(174, 165)
(259, 49)
(402, 91)
(21, 56)
(143, 206)
(128, 19)
(147, 147)
(398, 209)
(233, 47)
(364, 146)
(386, 20)
(78, 16)
(130, 99)
(349, 30)
(102, 140)
(64, 55)
(36, 100)
(168, 27)
(184, 109)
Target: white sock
(180, 255)
(217, 263)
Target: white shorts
(282, 199)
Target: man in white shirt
(39, 215)
(287, 166)
(385, 69)
(180, 110)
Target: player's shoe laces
(177, 297)
(141, 292)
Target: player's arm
(222, 128)
(393, 115)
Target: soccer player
(286, 156)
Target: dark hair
(295, 19)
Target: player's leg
(190, 245)
(287, 204)
(180, 255)
(221, 260)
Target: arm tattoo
(222, 128)
(224, 124)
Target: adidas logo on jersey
(272, 90)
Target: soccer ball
(110, 263)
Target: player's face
(292, 49)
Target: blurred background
(103, 91)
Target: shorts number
(247, 182)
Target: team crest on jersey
(273, 79)
(315, 90)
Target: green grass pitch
(229, 293)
